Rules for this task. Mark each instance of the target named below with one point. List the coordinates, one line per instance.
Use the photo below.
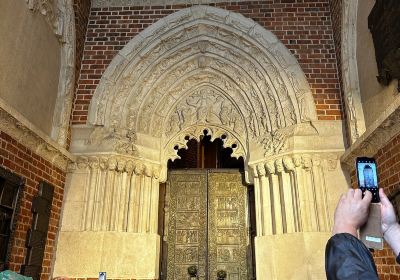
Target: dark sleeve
(347, 258)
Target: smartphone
(367, 177)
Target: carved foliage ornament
(121, 141)
(116, 163)
(289, 163)
(38, 144)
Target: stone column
(294, 216)
(266, 207)
(258, 202)
(324, 223)
(110, 219)
(275, 198)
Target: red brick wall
(82, 11)
(305, 28)
(336, 16)
(23, 162)
(388, 166)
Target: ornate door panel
(228, 232)
(207, 224)
(187, 224)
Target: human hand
(387, 212)
(351, 212)
(390, 227)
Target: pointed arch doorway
(208, 213)
(201, 68)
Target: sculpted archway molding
(351, 85)
(202, 68)
(60, 16)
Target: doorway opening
(206, 154)
(206, 185)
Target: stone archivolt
(164, 80)
(59, 14)
(351, 86)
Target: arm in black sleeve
(347, 258)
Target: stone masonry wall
(304, 26)
(33, 169)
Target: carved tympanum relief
(204, 66)
(204, 106)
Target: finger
(358, 194)
(384, 199)
(367, 197)
(350, 193)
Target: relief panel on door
(207, 225)
(187, 225)
(227, 226)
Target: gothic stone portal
(208, 224)
(201, 68)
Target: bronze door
(207, 224)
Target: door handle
(221, 274)
(192, 271)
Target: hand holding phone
(370, 232)
(367, 177)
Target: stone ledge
(377, 135)
(27, 134)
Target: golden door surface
(207, 224)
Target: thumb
(367, 198)
(384, 199)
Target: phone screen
(367, 177)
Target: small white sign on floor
(102, 276)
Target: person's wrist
(392, 229)
(392, 237)
(345, 228)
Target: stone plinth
(291, 256)
(120, 254)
